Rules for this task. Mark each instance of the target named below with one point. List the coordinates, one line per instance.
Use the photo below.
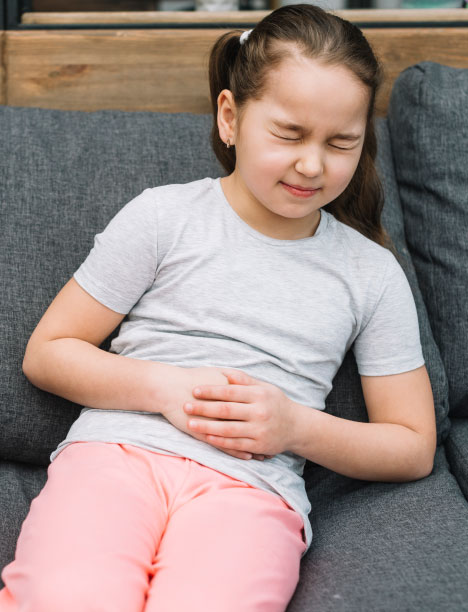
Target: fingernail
(197, 391)
(189, 407)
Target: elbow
(26, 365)
(425, 469)
(418, 462)
(29, 365)
(424, 463)
(416, 470)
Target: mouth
(297, 190)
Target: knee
(75, 586)
(64, 589)
(54, 591)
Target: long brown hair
(320, 35)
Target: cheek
(344, 170)
(262, 160)
(274, 156)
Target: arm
(397, 444)
(62, 356)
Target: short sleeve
(122, 264)
(390, 341)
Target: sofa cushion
(64, 175)
(19, 484)
(385, 546)
(457, 452)
(428, 125)
(392, 220)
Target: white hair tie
(244, 36)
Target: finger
(228, 393)
(218, 410)
(237, 377)
(235, 452)
(238, 454)
(226, 429)
(237, 444)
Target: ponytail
(222, 60)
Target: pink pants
(117, 528)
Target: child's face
(330, 105)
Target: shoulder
(177, 196)
(157, 208)
(360, 251)
(165, 204)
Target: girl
(180, 485)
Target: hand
(177, 390)
(247, 415)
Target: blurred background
(190, 5)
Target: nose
(310, 162)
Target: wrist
(301, 427)
(158, 384)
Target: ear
(227, 114)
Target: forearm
(366, 451)
(90, 376)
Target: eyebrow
(287, 125)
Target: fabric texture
(457, 452)
(19, 484)
(428, 125)
(378, 546)
(121, 529)
(289, 312)
(385, 546)
(392, 220)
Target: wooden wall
(166, 69)
(2, 69)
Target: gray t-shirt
(203, 288)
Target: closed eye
(298, 139)
(342, 148)
(284, 137)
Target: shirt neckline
(309, 240)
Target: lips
(299, 191)
(301, 188)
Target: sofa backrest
(428, 124)
(64, 175)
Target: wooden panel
(162, 70)
(354, 15)
(147, 17)
(92, 5)
(399, 48)
(166, 70)
(2, 68)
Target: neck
(250, 210)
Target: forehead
(305, 91)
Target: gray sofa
(63, 174)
